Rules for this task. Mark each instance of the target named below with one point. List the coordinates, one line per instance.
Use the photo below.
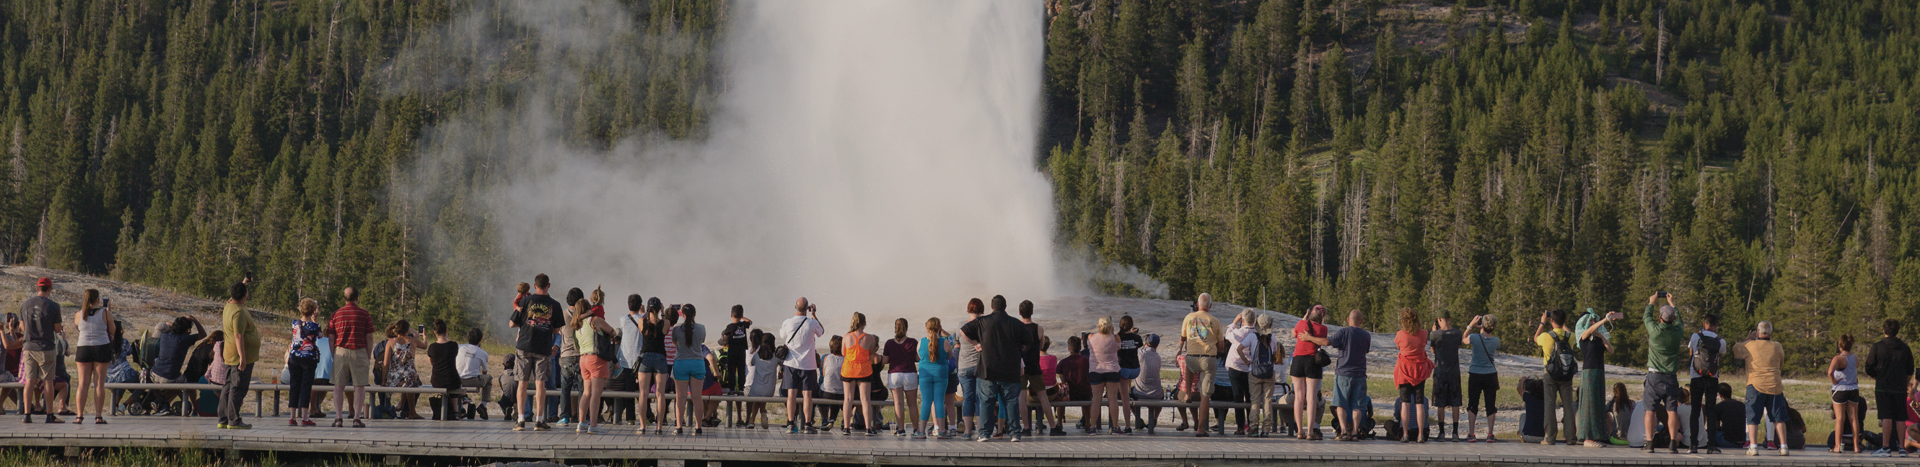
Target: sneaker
(307, 423)
(580, 428)
(564, 421)
(1015, 437)
(793, 430)
(541, 426)
(1057, 431)
(237, 425)
(1616, 441)
(517, 426)
(221, 425)
(846, 432)
(981, 438)
(812, 431)
(1753, 449)
(1882, 452)
(293, 423)
(918, 435)
(1783, 451)
(944, 435)
(1472, 439)
(29, 418)
(1592, 444)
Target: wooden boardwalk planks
(496, 440)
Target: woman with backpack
(303, 354)
(1103, 377)
(1410, 373)
(1264, 366)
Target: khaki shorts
(533, 367)
(352, 367)
(1201, 368)
(1036, 386)
(41, 365)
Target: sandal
(99, 421)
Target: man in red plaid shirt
(352, 357)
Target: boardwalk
(495, 440)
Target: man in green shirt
(241, 350)
(1666, 343)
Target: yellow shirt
(1545, 341)
(1202, 333)
(239, 326)
(1764, 358)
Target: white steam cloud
(874, 156)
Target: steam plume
(871, 155)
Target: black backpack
(1562, 365)
(1706, 358)
(1262, 366)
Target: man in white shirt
(471, 362)
(802, 371)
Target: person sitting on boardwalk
(1764, 357)
(1350, 374)
(1533, 409)
(472, 366)
(1890, 363)
(1148, 386)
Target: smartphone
(106, 302)
(1660, 294)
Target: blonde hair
(598, 296)
(1105, 326)
(859, 322)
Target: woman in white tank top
(94, 354)
(1845, 372)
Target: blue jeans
(999, 400)
(969, 392)
(933, 391)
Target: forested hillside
(1755, 158)
(185, 143)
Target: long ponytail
(686, 329)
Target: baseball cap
(1153, 340)
(44, 282)
(1666, 312)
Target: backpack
(1562, 365)
(1262, 357)
(1706, 358)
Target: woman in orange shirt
(1410, 374)
(857, 373)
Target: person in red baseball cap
(42, 318)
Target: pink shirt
(1104, 350)
(1048, 364)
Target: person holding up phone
(1666, 341)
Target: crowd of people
(991, 376)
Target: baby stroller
(140, 401)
